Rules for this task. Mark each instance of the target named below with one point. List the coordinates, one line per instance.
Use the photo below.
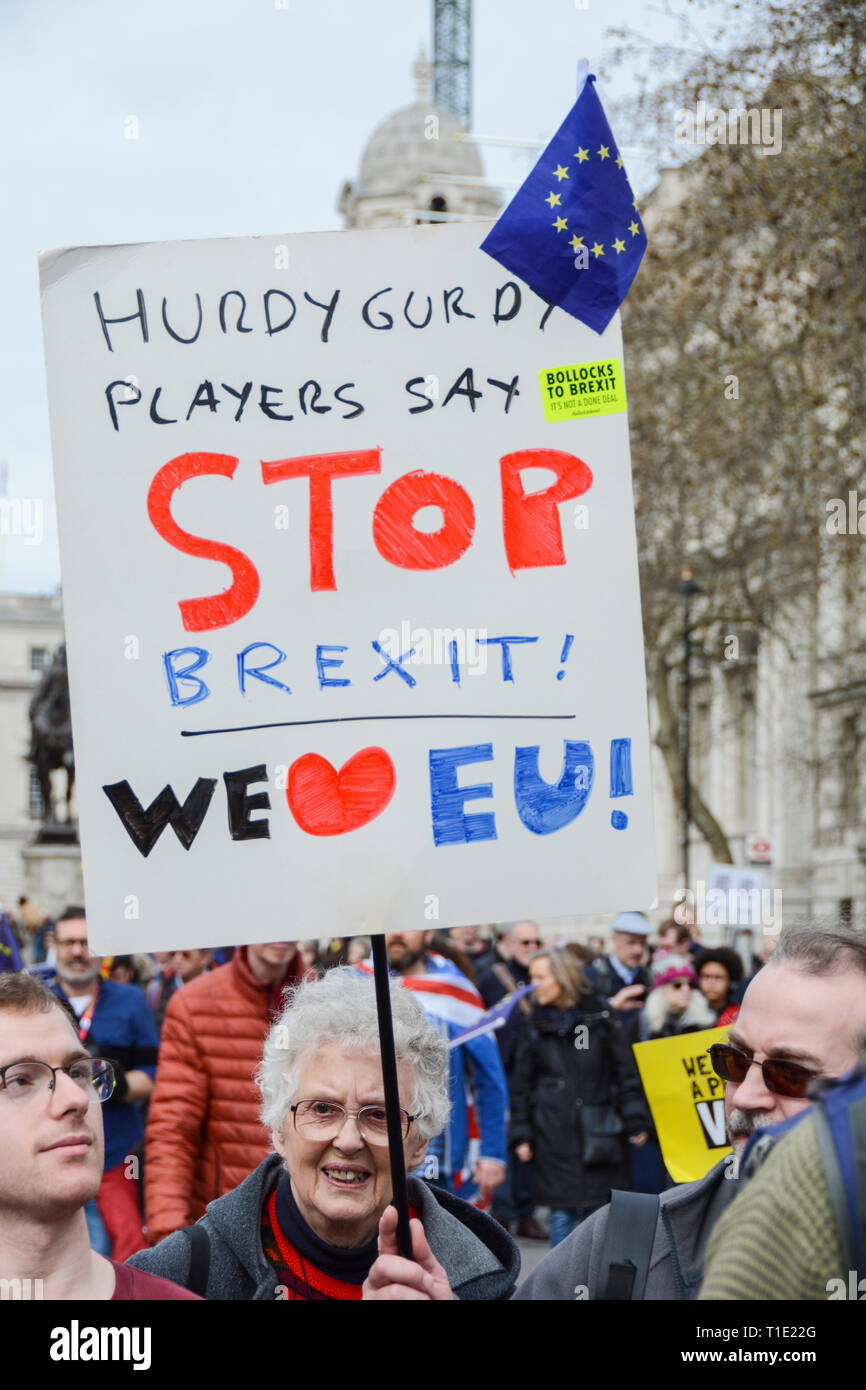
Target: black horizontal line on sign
(359, 719)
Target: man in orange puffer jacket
(203, 1132)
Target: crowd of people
(212, 1123)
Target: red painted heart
(326, 802)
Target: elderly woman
(675, 1004)
(303, 1226)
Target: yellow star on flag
(634, 205)
(619, 161)
(577, 242)
(560, 173)
(553, 199)
(633, 228)
(582, 156)
(604, 152)
(597, 250)
(560, 224)
(618, 245)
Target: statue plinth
(59, 833)
(52, 871)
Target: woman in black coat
(576, 1096)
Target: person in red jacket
(204, 1135)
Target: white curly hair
(340, 1007)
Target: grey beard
(743, 1123)
(83, 979)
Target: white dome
(418, 139)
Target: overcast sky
(250, 115)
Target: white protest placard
(351, 590)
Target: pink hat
(668, 966)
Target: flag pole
(400, 1197)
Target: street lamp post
(687, 588)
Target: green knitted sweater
(778, 1239)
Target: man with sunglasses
(796, 1230)
(803, 1016)
(51, 1155)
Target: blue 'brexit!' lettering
(186, 687)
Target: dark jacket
(687, 1215)
(479, 1257)
(492, 989)
(556, 1074)
(607, 982)
(158, 993)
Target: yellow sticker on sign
(586, 388)
(687, 1101)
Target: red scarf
(300, 1280)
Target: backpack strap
(840, 1128)
(857, 1118)
(835, 1181)
(628, 1242)
(199, 1259)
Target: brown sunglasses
(780, 1077)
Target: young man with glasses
(51, 1155)
(113, 1020)
(803, 1016)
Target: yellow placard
(687, 1101)
(584, 388)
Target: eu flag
(10, 956)
(572, 231)
(494, 1018)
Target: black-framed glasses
(324, 1119)
(781, 1077)
(21, 1081)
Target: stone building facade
(31, 630)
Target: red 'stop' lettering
(530, 524)
(397, 539)
(220, 609)
(320, 469)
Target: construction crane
(452, 58)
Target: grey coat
(479, 1257)
(687, 1214)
